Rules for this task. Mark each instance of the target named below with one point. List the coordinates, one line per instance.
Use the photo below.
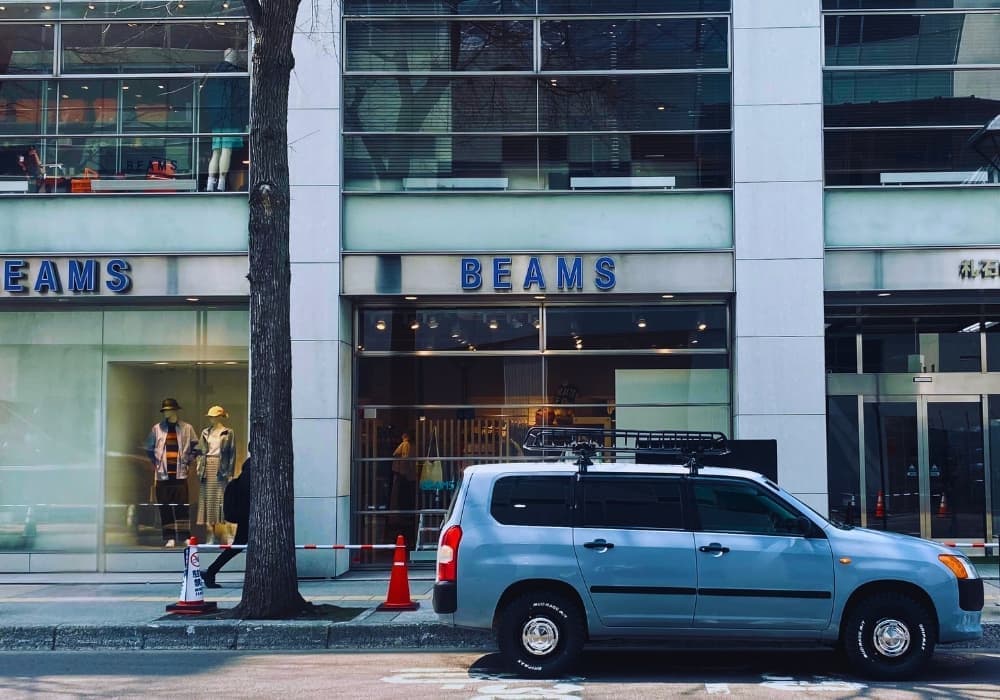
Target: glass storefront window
(644, 327)
(79, 392)
(143, 47)
(475, 406)
(25, 48)
(994, 438)
(843, 467)
(917, 344)
(527, 7)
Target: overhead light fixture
(694, 342)
(432, 322)
(380, 324)
(124, 87)
(231, 362)
(160, 86)
(885, 294)
(410, 298)
(539, 296)
(47, 7)
(537, 323)
(661, 107)
(414, 325)
(493, 324)
(161, 363)
(641, 322)
(84, 87)
(456, 331)
(702, 326)
(668, 296)
(225, 6)
(193, 299)
(91, 6)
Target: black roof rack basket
(586, 442)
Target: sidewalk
(126, 611)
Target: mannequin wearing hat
(216, 460)
(171, 446)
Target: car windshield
(835, 523)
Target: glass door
(924, 466)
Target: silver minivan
(552, 554)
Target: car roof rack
(587, 442)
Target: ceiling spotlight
(47, 7)
(192, 299)
(225, 6)
(410, 298)
(380, 324)
(91, 6)
(537, 323)
(415, 325)
(661, 107)
(702, 326)
(884, 294)
(641, 323)
(493, 324)
(456, 331)
(432, 322)
(668, 296)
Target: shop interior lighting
(414, 325)
(225, 6)
(84, 87)
(974, 328)
(432, 322)
(668, 296)
(410, 298)
(47, 7)
(380, 324)
(193, 299)
(885, 294)
(537, 323)
(493, 324)
(641, 322)
(231, 362)
(702, 326)
(539, 296)
(91, 6)
(456, 331)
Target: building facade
(774, 218)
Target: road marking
(717, 688)
(555, 692)
(818, 684)
(498, 685)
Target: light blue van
(550, 555)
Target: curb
(284, 634)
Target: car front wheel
(541, 634)
(889, 636)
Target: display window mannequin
(216, 461)
(171, 447)
(226, 100)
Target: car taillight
(447, 554)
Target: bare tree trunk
(271, 583)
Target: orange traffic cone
(943, 507)
(192, 600)
(398, 595)
(880, 506)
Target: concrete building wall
(779, 387)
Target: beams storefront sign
(537, 273)
(55, 276)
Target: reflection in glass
(121, 47)
(994, 428)
(438, 7)
(388, 45)
(912, 40)
(841, 346)
(643, 327)
(25, 48)
(911, 98)
(630, 44)
(916, 345)
(875, 157)
(449, 330)
(843, 474)
(892, 481)
(957, 470)
(26, 107)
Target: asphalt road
(471, 676)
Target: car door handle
(714, 548)
(599, 544)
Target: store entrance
(925, 466)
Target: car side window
(637, 503)
(734, 507)
(533, 500)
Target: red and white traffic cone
(192, 600)
(880, 506)
(398, 595)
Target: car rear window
(533, 500)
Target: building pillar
(778, 202)
(320, 324)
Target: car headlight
(958, 565)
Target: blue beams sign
(51, 276)
(535, 273)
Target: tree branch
(253, 9)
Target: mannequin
(171, 446)
(226, 100)
(216, 459)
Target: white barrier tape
(302, 546)
(979, 545)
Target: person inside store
(31, 165)
(216, 462)
(228, 108)
(403, 495)
(237, 510)
(172, 445)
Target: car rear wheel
(541, 634)
(889, 636)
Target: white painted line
(717, 688)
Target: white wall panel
(314, 378)
(778, 143)
(775, 13)
(776, 66)
(780, 376)
(778, 297)
(315, 303)
(779, 220)
(315, 444)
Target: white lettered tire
(889, 636)
(541, 634)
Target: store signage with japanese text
(972, 269)
(43, 276)
(537, 273)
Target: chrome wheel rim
(539, 636)
(891, 637)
